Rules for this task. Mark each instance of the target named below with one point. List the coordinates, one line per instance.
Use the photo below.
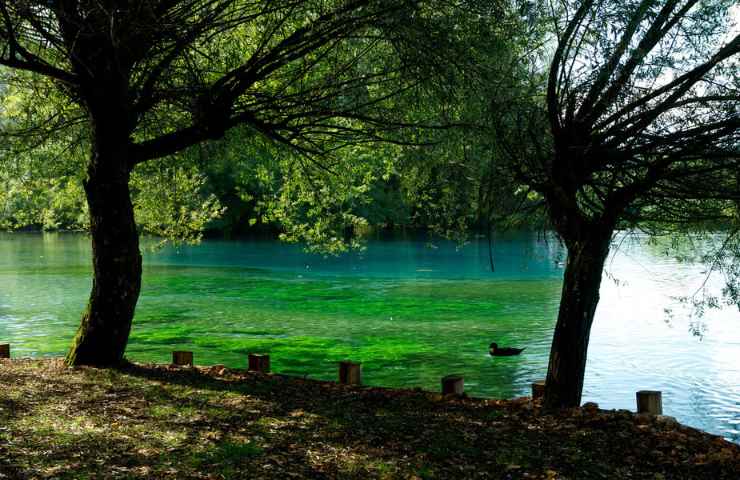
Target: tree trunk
(106, 323)
(578, 302)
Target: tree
(643, 111)
(455, 185)
(151, 78)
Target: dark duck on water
(497, 351)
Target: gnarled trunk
(578, 302)
(106, 323)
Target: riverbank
(148, 421)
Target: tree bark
(580, 295)
(106, 323)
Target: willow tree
(152, 78)
(643, 110)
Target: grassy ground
(161, 422)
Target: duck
(495, 351)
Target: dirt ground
(149, 421)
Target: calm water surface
(411, 311)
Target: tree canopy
(642, 109)
(136, 81)
(587, 117)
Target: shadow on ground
(160, 422)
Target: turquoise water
(409, 310)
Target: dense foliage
(420, 176)
(320, 119)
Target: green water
(410, 311)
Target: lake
(411, 311)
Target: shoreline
(159, 421)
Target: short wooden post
(350, 373)
(538, 389)
(453, 384)
(259, 363)
(649, 401)
(5, 350)
(182, 358)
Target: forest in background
(433, 168)
(442, 166)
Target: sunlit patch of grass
(355, 464)
(383, 469)
(171, 411)
(268, 422)
(51, 425)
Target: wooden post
(259, 363)
(350, 373)
(649, 401)
(5, 350)
(182, 358)
(538, 389)
(453, 384)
